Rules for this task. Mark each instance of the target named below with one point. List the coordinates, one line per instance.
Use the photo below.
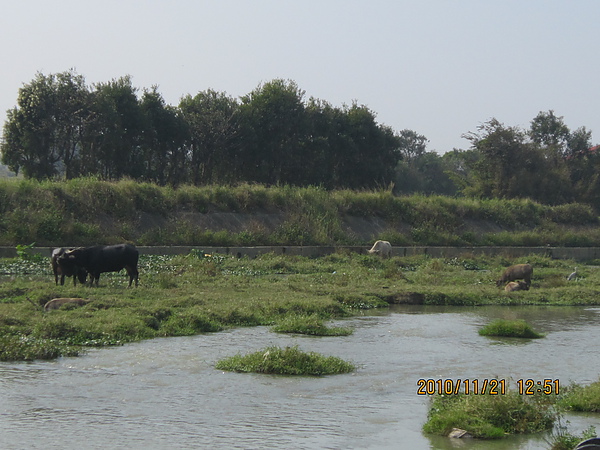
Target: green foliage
(88, 211)
(287, 361)
(563, 440)
(489, 416)
(26, 348)
(510, 328)
(582, 398)
(272, 135)
(24, 252)
(189, 323)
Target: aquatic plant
(564, 440)
(510, 328)
(582, 398)
(286, 361)
(488, 416)
(26, 348)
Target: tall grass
(510, 328)
(88, 210)
(287, 361)
(489, 416)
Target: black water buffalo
(104, 258)
(66, 269)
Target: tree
(114, 137)
(370, 152)
(502, 153)
(428, 173)
(510, 166)
(164, 133)
(41, 134)
(272, 129)
(550, 131)
(412, 144)
(211, 120)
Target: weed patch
(510, 328)
(489, 416)
(287, 361)
(582, 398)
(27, 348)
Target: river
(166, 393)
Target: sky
(438, 67)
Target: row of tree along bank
(274, 135)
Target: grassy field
(190, 294)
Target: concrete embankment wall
(576, 253)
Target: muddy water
(166, 393)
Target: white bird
(573, 275)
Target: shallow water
(165, 393)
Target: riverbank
(193, 293)
(90, 211)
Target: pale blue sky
(438, 67)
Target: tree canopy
(273, 135)
(62, 127)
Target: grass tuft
(287, 361)
(489, 416)
(26, 348)
(510, 328)
(582, 398)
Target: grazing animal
(517, 272)
(66, 270)
(381, 248)
(512, 286)
(56, 303)
(572, 276)
(104, 258)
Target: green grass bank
(194, 293)
(90, 211)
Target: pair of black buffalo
(79, 262)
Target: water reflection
(166, 392)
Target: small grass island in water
(287, 361)
(510, 328)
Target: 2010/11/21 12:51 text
(482, 386)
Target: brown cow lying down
(517, 272)
(381, 248)
(56, 303)
(516, 286)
